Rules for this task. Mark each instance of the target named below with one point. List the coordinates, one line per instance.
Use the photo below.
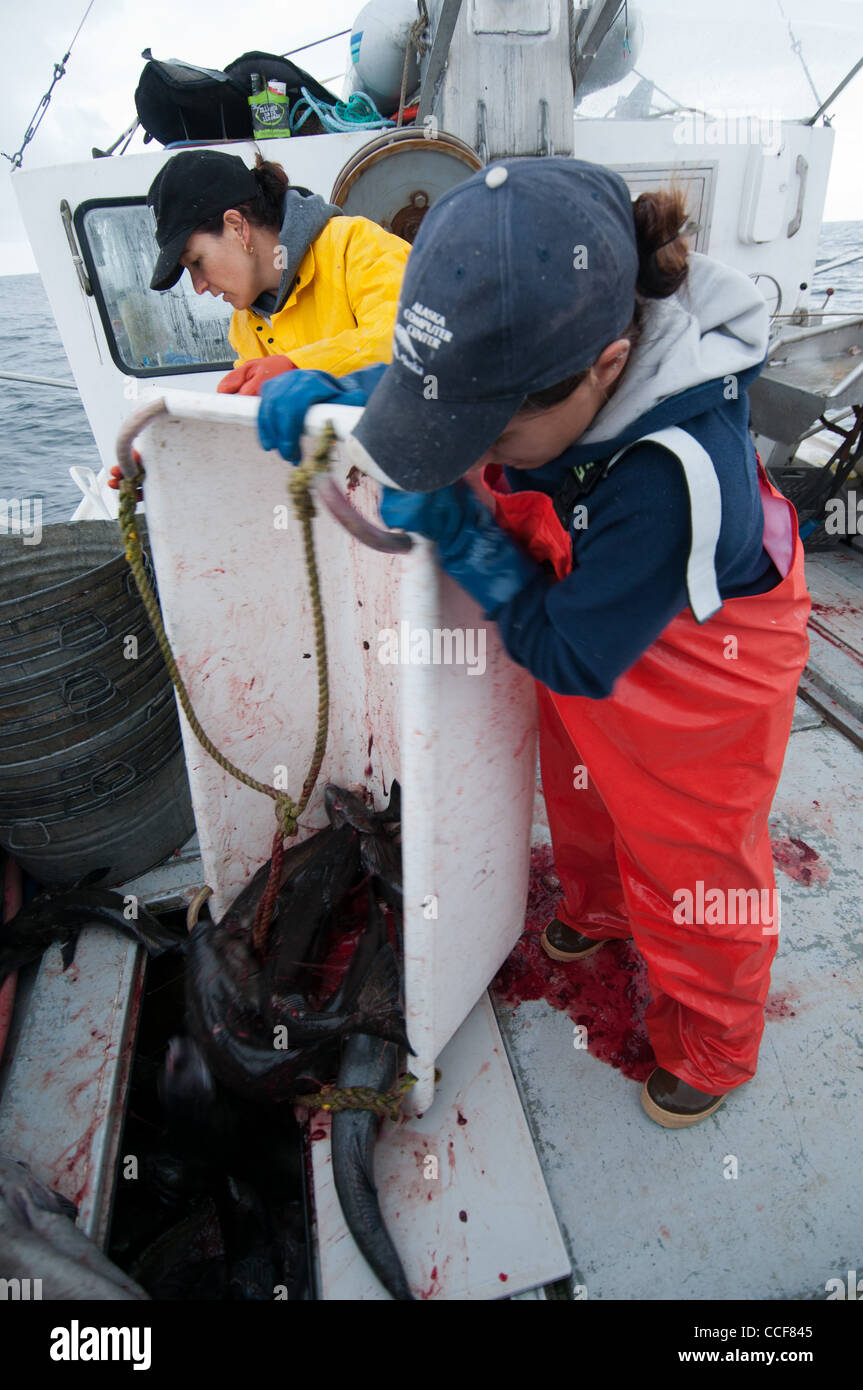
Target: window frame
(174, 369)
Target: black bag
(177, 101)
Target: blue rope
(357, 113)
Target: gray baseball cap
(519, 277)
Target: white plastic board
(459, 735)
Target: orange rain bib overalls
(668, 782)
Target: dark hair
(264, 210)
(662, 269)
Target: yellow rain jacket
(340, 313)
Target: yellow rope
(299, 486)
(385, 1103)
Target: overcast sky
(742, 59)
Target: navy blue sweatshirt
(577, 636)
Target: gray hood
(305, 216)
(715, 326)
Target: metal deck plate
(63, 1099)
(648, 1213)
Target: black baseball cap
(519, 277)
(192, 188)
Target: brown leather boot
(675, 1104)
(563, 943)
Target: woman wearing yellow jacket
(309, 286)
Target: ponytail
(662, 251)
(265, 209)
(662, 270)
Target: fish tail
(387, 1023)
(353, 1137)
(380, 989)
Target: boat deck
(648, 1213)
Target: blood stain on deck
(779, 1004)
(607, 993)
(799, 860)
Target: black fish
(223, 1016)
(306, 906)
(251, 1248)
(228, 989)
(186, 1086)
(367, 1061)
(171, 1268)
(60, 916)
(239, 1042)
(240, 916)
(374, 1013)
(39, 1239)
(373, 939)
(234, 1002)
(348, 808)
(380, 850)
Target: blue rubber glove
(473, 549)
(285, 400)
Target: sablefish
(379, 831)
(367, 1061)
(39, 1240)
(60, 915)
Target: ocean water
(43, 431)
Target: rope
(59, 71)
(264, 914)
(384, 1103)
(303, 46)
(287, 811)
(416, 40)
(357, 113)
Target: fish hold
(60, 916)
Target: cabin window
(149, 334)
